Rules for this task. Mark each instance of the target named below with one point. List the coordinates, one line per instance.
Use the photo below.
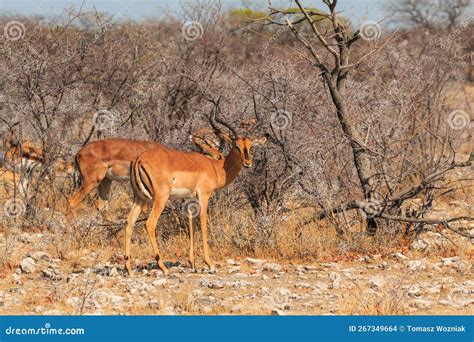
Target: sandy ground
(91, 282)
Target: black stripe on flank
(136, 184)
(133, 178)
(140, 170)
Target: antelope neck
(229, 167)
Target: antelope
(24, 157)
(207, 144)
(162, 174)
(103, 161)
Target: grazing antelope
(103, 161)
(160, 174)
(204, 139)
(23, 157)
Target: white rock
(277, 312)
(198, 292)
(52, 274)
(419, 245)
(282, 293)
(310, 269)
(159, 282)
(25, 238)
(255, 262)
(212, 283)
(38, 309)
(450, 261)
(115, 299)
(16, 279)
(207, 309)
(28, 265)
(416, 265)
(376, 283)
(414, 292)
(239, 284)
(233, 269)
(421, 304)
(37, 256)
(232, 262)
(272, 267)
(154, 303)
(114, 272)
(400, 256)
(335, 280)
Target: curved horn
(257, 116)
(214, 119)
(223, 123)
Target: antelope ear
(259, 141)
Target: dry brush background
(368, 160)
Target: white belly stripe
(110, 175)
(177, 193)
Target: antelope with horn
(162, 174)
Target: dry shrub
(398, 98)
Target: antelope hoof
(128, 269)
(161, 265)
(210, 265)
(193, 266)
(163, 269)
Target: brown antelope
(23, 157)
(160, 174)
(203, 138)
(103, 161)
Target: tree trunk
(359, 155)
